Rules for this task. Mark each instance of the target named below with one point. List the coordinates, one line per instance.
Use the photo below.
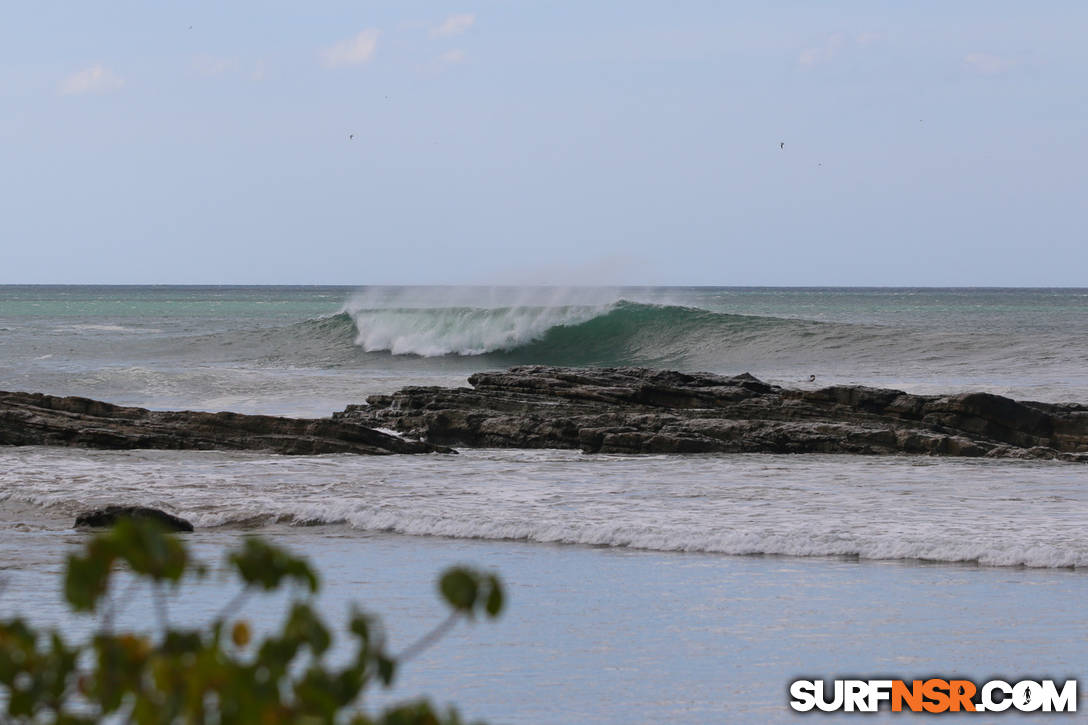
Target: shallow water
(604, 635)
(644, 588)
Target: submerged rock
(36, 419)
(641, 410)
(109, 516)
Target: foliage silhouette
(215, 674)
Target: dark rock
(36, 419)
(639, 410)
(109, 516)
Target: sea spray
(312, 350)
(460, 330)
(431, 322)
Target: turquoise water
(644, 588)
(312, 350)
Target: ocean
(687, 588)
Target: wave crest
(433, 332)
(806, 541)
(619, 332)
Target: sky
(503, 142)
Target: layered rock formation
(36, 419)
(638, 410)
(597, 410)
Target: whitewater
(991, 513)
(311, 351)
(679, 566)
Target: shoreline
(711, 631)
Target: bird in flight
(351, 136)
(781, 144)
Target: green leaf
(261, 564)
(142, 544)
(87, 577)
(180, 642)
(149, 550)
(459, 588)
(360, 624)
(200, 675)
(495, 597)
(386, 670)
(304, 626)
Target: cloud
(823, 53)
(835, 44)
(454, 25)
(452, 56)
(95, 79)
(210, 65)
(353, 51)
(986, 63)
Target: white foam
(804, 542)
(994, 513)
(460, 331)
(467, 320)
(95, 327)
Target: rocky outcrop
(36, 419)
(110, 515)
(639, 410)
(597, 410)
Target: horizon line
(553, 285)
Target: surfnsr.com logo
(933, 696)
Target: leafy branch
(213, 674)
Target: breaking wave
(812, 539)
(808, 541)
(432, 332)
(985, 512)
(407, 335)
(621, 332)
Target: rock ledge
(640, 410)
(36, 419)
